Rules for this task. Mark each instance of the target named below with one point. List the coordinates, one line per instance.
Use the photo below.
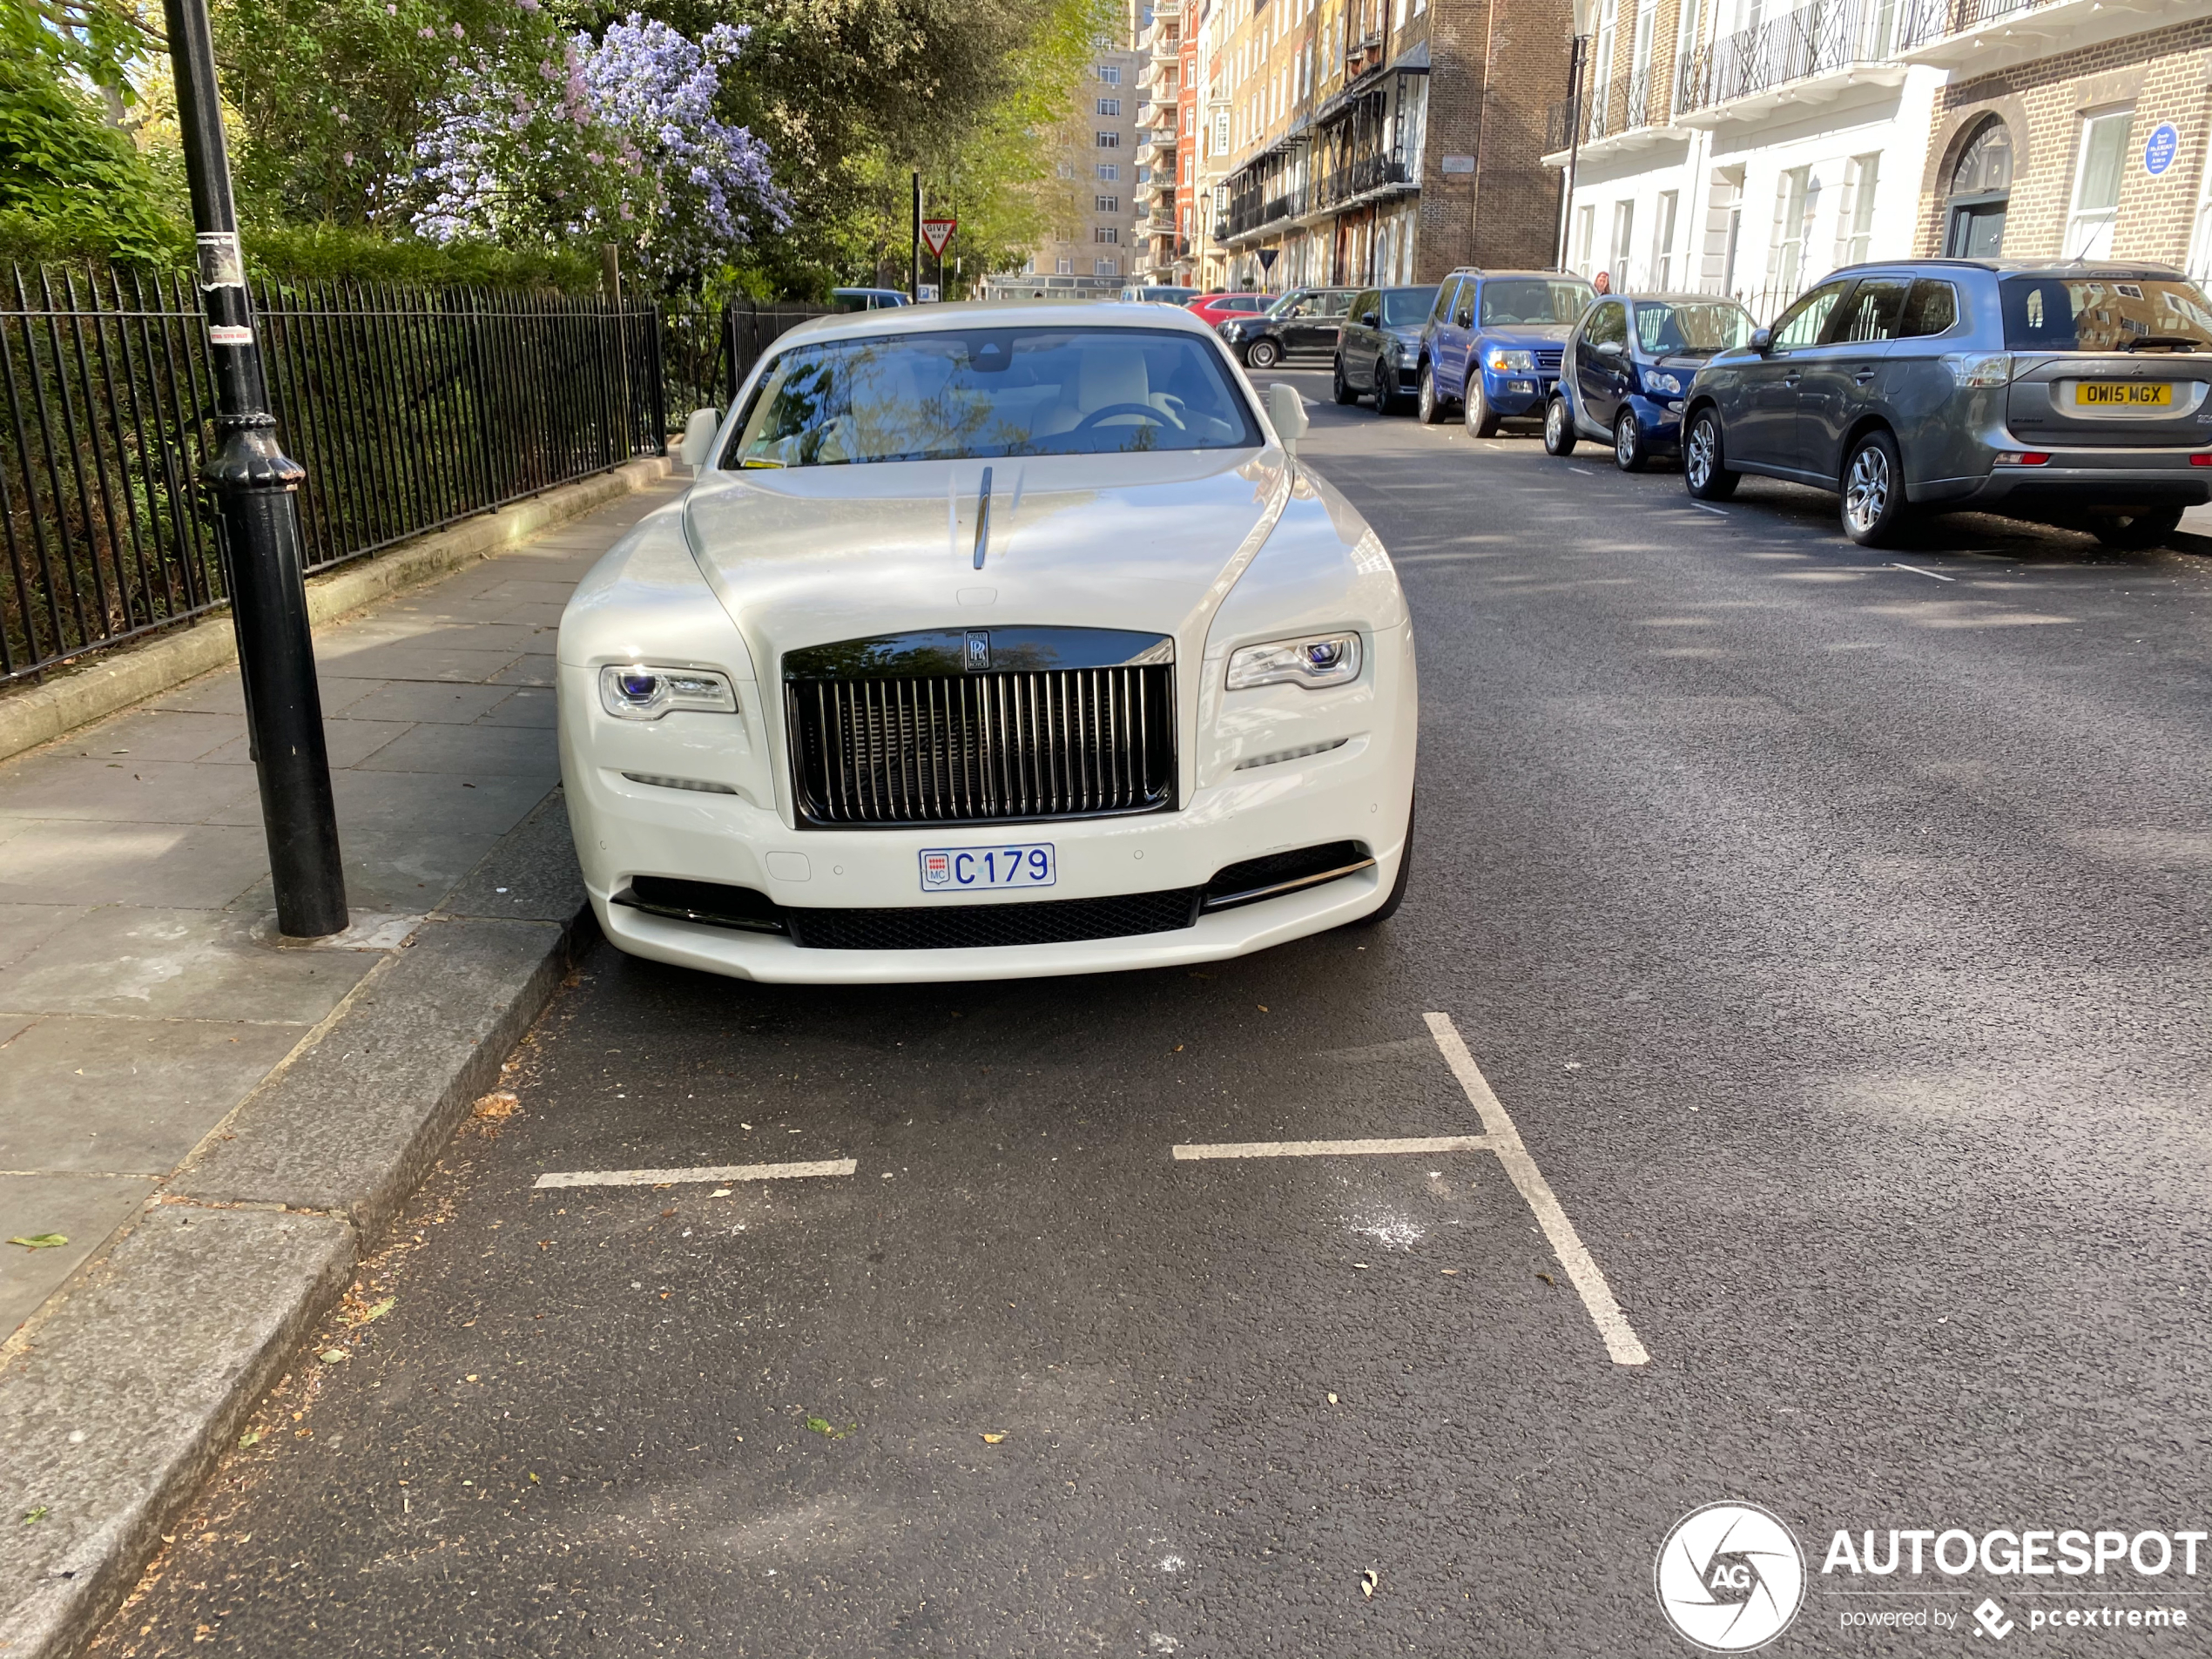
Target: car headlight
(1657, 381)
(635, 692)
(1321, 659)
(1511, 362)
(1979, 368)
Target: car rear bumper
(2077, 479)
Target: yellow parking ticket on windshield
(2123, 395)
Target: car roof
(1677, 299)
(998, 313)
(1478, 271)
(2122, 270)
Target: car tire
(1388, 398)
(1559, 429)
(1388, 907)
(1630, 452)
(1427, 405)
(1874, 507)
(1705, 460)
(1263, 354)
(1475, 410)
(1343, 389)
(2137, 532)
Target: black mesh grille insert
(983, 748)
(1053, 922)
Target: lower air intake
(1053, 922)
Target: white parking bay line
(1335, 1149)
(1505, 1140)
(1702, 507)
(1917, 571)
(707, 1172)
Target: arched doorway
(1981, 183)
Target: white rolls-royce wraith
(990, 641)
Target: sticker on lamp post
(2159, 150)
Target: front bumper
(1516, 396)
(1660, 420)
(2075, 480)
(1361, 792)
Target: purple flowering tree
(611, 140)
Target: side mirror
(698, 437)
(1286, 413)
(1610, 348)
(1368, 320)
(1763, 341)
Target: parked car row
(2079, 392)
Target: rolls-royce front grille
(983, 748)
(980, 748)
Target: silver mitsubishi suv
(2072, 392)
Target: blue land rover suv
(1493, 344)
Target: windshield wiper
(2162, 342)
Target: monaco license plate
(956, 869)
(2123, 395)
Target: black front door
(1977, 230)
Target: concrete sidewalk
(202, 1128)
(143, 995)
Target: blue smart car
(1493, 343)
(1628, 365)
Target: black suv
(1304, 323)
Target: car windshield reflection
(1664, 329)
(943, 396)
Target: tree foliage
(69, 184)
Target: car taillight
(2202, 458)
(2023, 458)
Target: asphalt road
(1834, 931)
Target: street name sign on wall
(936, 233)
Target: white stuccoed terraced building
(1748, 147)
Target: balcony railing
(1926, 21)
(1621, 106)
(1366, 174)
(1815, 39)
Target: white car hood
(812, 554)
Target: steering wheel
(1158, 417)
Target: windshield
(1668, 330)
(1403, 307)
(1537, 299)
(1276, 308)
(2105, 313)
(944, 397)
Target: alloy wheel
(1697, 466)
(1556, 424)
(1866, 491)
(1263, 354)
(1628, 451)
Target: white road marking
(1917, 571)
(1335, 1149)
(1702, 507)
(1612, 1325)
(1585, 471)
(707, 1173)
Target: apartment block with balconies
(1385, 140)
(1744, 147)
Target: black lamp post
(256, 486)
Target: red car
(1217, 308)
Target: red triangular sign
(937, 233)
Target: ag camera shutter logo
(1730, 1577)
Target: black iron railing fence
(409, 408)
(1817, 38)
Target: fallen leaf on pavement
(1332, 1399)
(30, 1515)
(993, 1439)
(823, 1426)
(1367, 1582)
(1548, 1279)
(249, 1438)
(41, 1241)
(334, 1356)
(500, 1102)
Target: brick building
(1092, 245)
(1377, 140)
(2069, 130)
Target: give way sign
(937, 233)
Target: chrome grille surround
(980, 727)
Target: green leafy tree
(70, 185)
